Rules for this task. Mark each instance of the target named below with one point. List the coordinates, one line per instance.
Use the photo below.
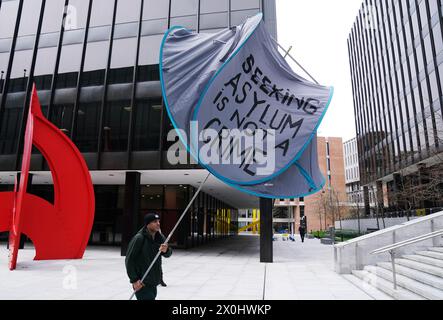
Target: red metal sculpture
(60, 230)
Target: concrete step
(416, 287)
(423, 267)
(413, 274)
(426, 260)
(431, 254)
(367, 288)
(436, 249)
(385, 286)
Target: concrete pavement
(227, 269)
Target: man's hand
(164, 248)
(137, 286)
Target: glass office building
(396, 60)
(95, 65)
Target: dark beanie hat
(150, 217)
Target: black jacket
(142, 249)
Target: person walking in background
(302, 229)
(141, 252)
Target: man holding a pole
(142, 251)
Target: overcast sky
(318, 31)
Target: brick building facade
(331, 162)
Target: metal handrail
(408, 242)
(391, 249)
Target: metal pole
(293, 59)
(287, 52)
(57, 61)
(80, 74)
(5, 87)
(392, 253)
(198, 15)
(169, 14)
(229, 14)
(134, 105)
(103, 113)
(29, 85)
(173, 230)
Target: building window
(214, 14)
(420, 59)
(17, 85)
(67, 80)
(438, 40)
(93, 78)
(43, 82)
(87, 127)
(147, 125)
(184, 13)
(61, 117)
(9, 128)
(121, 75)
(116, 125)
(434, 86)
(148, 73)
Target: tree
(331, 207)
(421, 189)
(424, 187)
